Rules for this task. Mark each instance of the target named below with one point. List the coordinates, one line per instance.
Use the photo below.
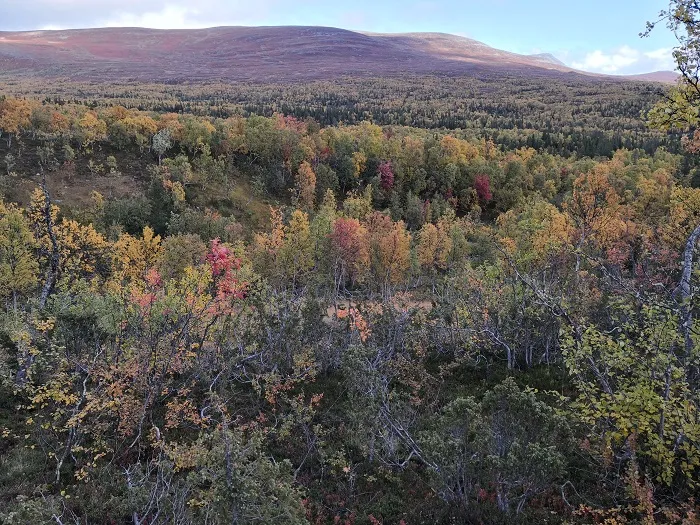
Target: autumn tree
(633, 380)
(19, 267)
(14, 116)
(435, 245)
(267, 246)
(596, 212)
(386, 176)
(390, 245)
(482, 185)
(296, 256)
(134, 257)
(92, 129)
(359, 205)
(305, 186)
(350, 248)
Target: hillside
(254, 54)
(309, 276)
(407, 288)
(666, 77)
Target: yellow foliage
(132, 257)
(359, 162)
(14, 115)
(92, 128)
(306, 186)
(434, 244)
(297, 253)
(81, 248)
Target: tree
(179, 252)
(230, 480)
(678, 109)
(389, 250)
(134, 257)
(386, 176)
(596, 212)
(322, 224)
(509, 446)
(19, 267)
(162, 142)
(482, 185)
(195, 133)
(350, 246)
(267, 246)
(297, 254)
(92, 129)
(14, 117)
(305, 186)
(359, 206)
(427, 245)
(434, 246)
(638, 392)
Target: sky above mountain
(601, 36)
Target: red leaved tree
(482, 185)
(386, 176)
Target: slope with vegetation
(587, 117)
(283, 322)
(250, 53)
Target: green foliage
(230, 479)
(18, 266)
(635, 390)
(508, 447)
(129, 214)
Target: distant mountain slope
(446, 47)
(253, 53)
(548, 58)
(667, 77)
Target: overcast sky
(594, 35)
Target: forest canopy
(561, 114)
(298, 308)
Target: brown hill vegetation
(253, 54)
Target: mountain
(249, 53)
(666, 77)
(548, 58)
(253, 54)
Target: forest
(561, 114)
(215, 311)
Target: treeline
(429, 329)
(555, 113)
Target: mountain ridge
(243, 53)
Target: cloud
(169, 17)
(17, 15)
(625, 60)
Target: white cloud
(160, 14)
(663, 54)
(169, 17)
(625, 60)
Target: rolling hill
(253, 54)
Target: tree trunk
(684, 289)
